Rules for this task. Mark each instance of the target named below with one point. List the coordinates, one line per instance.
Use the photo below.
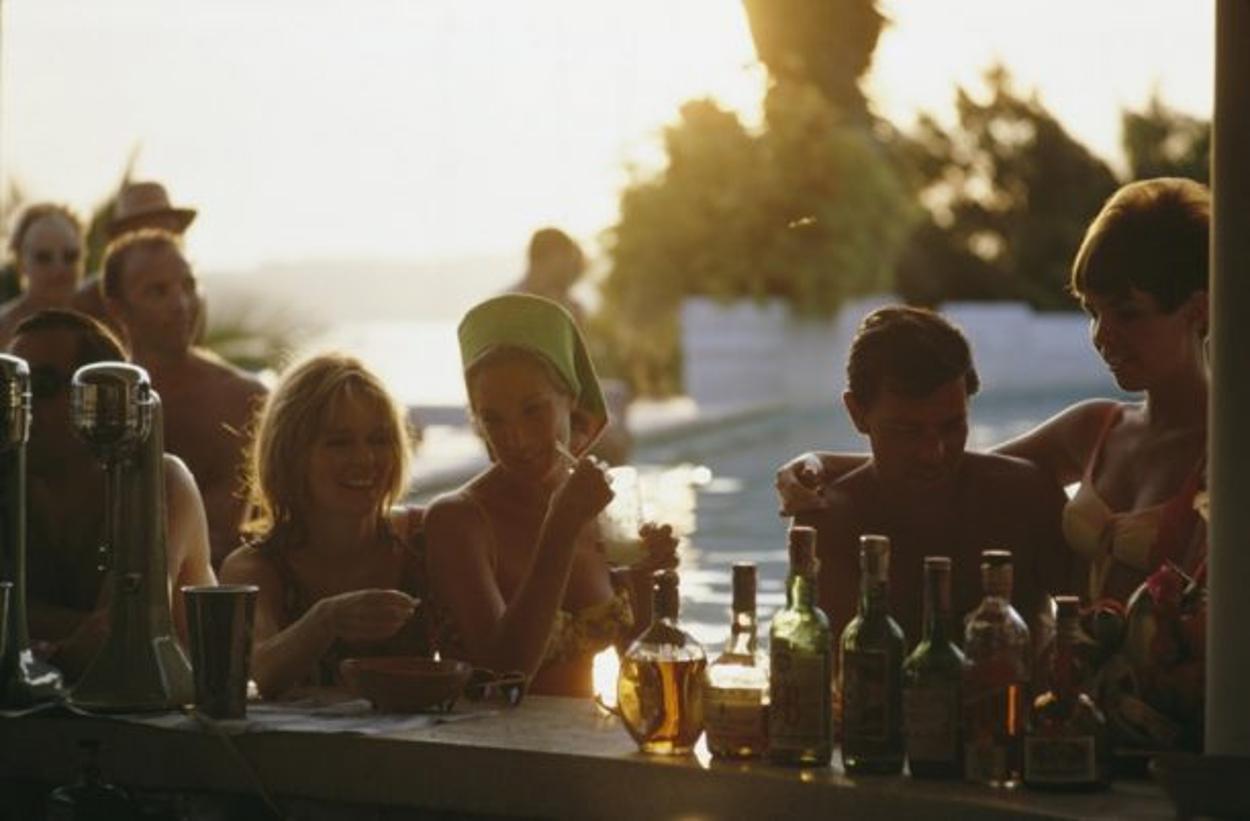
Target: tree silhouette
(1010, 193)
(1162, 142)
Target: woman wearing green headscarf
(514, 559)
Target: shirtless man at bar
(68, 605)
(910, 378)
(209, 405)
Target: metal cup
(219, 621)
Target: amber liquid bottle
(660, 685)
(871, 671)
(996, 645)
(800, 713)
(735, 698)
(933, 684)
(1067, 746)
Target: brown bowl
(406, 684)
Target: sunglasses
(69, 256)
(487, 685)
(47, 382)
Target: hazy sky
(430, 129)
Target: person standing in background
(139, 205)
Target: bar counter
(550, 757)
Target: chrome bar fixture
(24, 680)
(141, 666)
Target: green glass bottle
(932, 684)
(871, 671)
(800, 719)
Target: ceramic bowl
(406, 684)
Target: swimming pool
(716, 488)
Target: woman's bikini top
(413, 639)
(573, 634)
(1141, 539)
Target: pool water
(716, 488)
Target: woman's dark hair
(910, 351)
(96, 343)
(1152, 235)
(35, 213)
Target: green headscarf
(545, 329)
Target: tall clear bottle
(735, 698)
(933, 684)
(660, 685)
(1067, 746)
(996, 645)
(800, 720)
(872, 650)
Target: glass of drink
(620, 521)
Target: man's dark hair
(120, 249)
(548, 242)
(96, 343)
(1152, 235)
(910, 351)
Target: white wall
(746, 353)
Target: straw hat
(146, 205)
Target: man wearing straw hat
(139, 205)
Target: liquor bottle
(660, 685)
(871, 670)
(996, 645)
(933, 684)
(800, 726)
(735, 698)
(1066, 747)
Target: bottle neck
(800, 590)
(665, 604)
(937, 603)
(1062, 667)
(742, 633)
(874, 593)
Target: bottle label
(1062, 760)
(865, 695)
(735, 716)
(799, 713)
(931, 722)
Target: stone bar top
(550, 758)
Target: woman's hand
(659, 546)
(584, 493)
(367, 615)
(800, 484)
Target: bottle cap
(744, 586)
(1067, 607)
(874, 555)
(803, 549)
(996, 572)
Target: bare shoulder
(989, 471)
(248, 565)
(1005, 483)
(453, 517)
(1083, 420)
(177, 474)
(226, 377)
